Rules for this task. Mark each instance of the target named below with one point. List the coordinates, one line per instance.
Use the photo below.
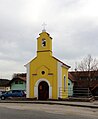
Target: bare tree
(88, 64)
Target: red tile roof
(71, 77)
(21, 76)
(96, 85)
(85, 81)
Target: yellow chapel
(47, 76)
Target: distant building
(18, 82)
(71, 83)
(85, 79)
(47, 77)
(4, 85)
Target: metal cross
(44, 25)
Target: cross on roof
(44, 25)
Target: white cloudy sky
(73, 25)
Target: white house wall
(59, 78)
(28, 81)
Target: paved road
(39, 111)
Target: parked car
(0, 93)
(12, 93)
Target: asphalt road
(35, 111)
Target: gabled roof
(4, 82)
(96, 85)
(71, 77)
(30, 61)
(46, 33)
(61, 62)
(78, 75)
(21, 76)
(84, 73)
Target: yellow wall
(64, 89)
(43, 62)
(48, 46)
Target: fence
(77, 92)
(82, 92)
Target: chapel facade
(47, 76)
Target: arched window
(64, 83)
(43, 42)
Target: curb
(51, 103)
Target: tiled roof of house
(84, 73)
(71, 77)
(93, 83)
(20, 76)
(4, 82)
(95, 87)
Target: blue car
(12, 93)
(0, 93)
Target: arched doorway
(43, 91)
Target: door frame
(36, 88)
(43, 91)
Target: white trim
(65, 66)
(28, 81)
(59, 78)
(36, 88)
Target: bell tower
(44, 43)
